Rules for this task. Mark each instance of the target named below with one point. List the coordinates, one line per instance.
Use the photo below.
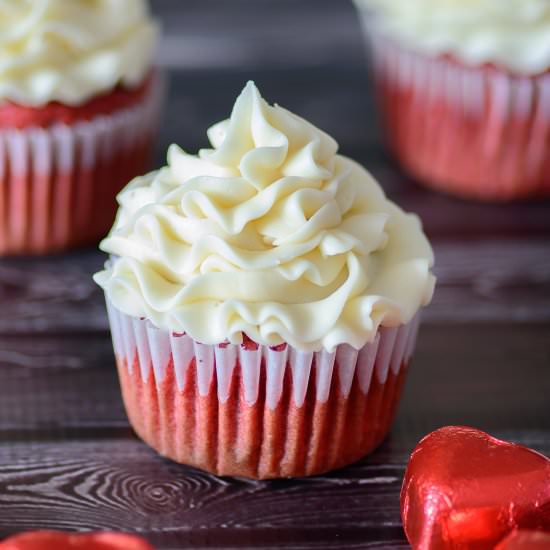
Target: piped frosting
(514, 34)
(270, 233)
(71, 50)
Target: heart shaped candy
(464, 489)
(53, 540)
(525, 540)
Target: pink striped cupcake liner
(259, 411)
(476, 132)
(58, 184)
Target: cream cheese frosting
(269, 233)
(71, 50)
(514, 34)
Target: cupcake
(464, 89)
(264, 300)
(78, 107)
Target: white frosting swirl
(71, 50)
(270, 233)
(514, 34)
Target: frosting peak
(514, 34)
(71, 50)
(270, 233)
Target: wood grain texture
(68, 458)
(478, 280)
(59, 387)
(122, 485)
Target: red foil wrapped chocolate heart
(464, 489)
(525, 540)
(53, 540)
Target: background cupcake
(78, 105)
(464, 88)
(263, 299)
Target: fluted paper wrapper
(476, 132)
(258, 411)
(58, 184)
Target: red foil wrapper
(53, 540)
(464, 489)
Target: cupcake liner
(477, 132)
(58, 184)
(258, 411)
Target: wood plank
(69, 461)
(55, 387)
(59, 387)
(106, 484)
(493, 376)
(56, 293)
(491, 280)
(478, 280)
(68, 458)
(122, 485)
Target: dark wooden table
(68, 459)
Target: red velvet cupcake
(264, 300)
(464, 89)
(79, 104)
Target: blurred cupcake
(264, 300)
(78, 106)
(464, 87)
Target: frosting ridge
(270, 233)
(71, 50)
(514, 34)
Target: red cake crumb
(13, 115)
(249, 344)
